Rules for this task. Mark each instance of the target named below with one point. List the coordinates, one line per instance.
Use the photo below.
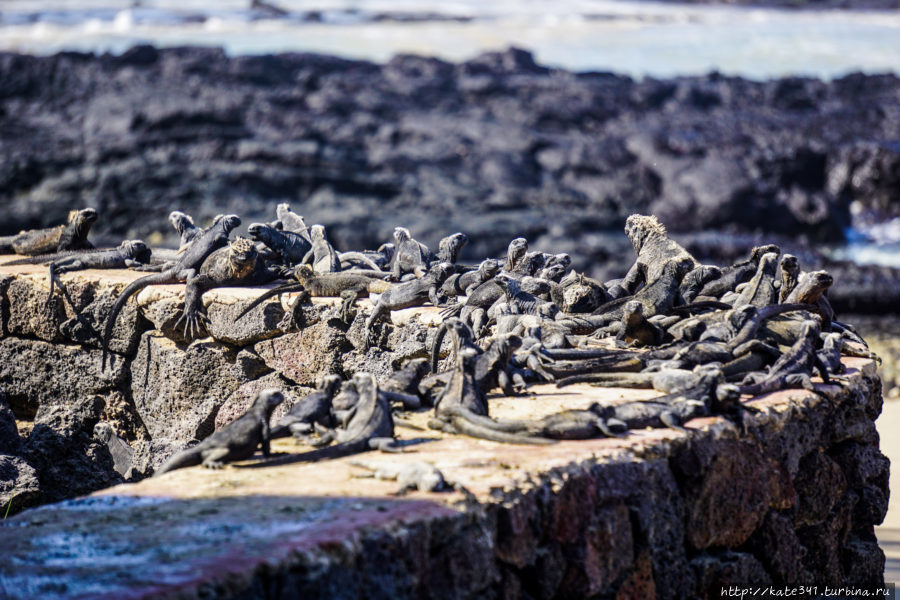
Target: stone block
(731, 485)
(87, 326)
(19, 484)
(259, 324)
(29, 316)
(240, 400)
(178, 390)
(36, 373)
(302, 357)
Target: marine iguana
(314, 408)
(760, 290)
(348, 285)
(291, 221)
(418, 475)
(370, 427)
(634, 329)
(408, 294)
(403, 385)
(575, 424)
(582, 294)
(449, 247)
(184, 225)
(130, 253)
(410, 256)
(675, 409)
(323, 256)
(236, 441)
(793, 368)
(811, 288)
(654, 251)
(790, 271)
(515, 252)
(71, 236)
(737, 273)
(520, 302)
(290, 246)
(696, 279)
(234, 265)
(462, 408)
(460, 284)
(656, 297)
(184, 269)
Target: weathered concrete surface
(658, 512)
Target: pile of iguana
(704, 336)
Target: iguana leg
(670, 420)
(212, 459)
(349, 298)
(606, 429)
(55, 280)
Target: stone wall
(159, 392)
(789, 498)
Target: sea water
(628, 37)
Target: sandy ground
(889, 531)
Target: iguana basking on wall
(654, 250)
(71, 236)
(236, 441)
(348, 285)
(237, 264)
(184, 268)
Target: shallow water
(633, 38)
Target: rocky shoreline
(497, 146)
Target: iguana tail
(478, 430)
(620, 380)
(186, 458)
(130, 290)
(293, 286)
(436, 346)
(359, 257)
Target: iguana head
(516, 250)
(679, 267)
(633, 312)
(83, 216)
(137, 250)
(757, 252)
(401, 234)
(640, 228)
(303, 273)
(261, 232)
(181, 221)
(242, 256)
(790, 264)
(330, 384)
(812, 285)
(553, 272)
(229, 222)
(450, 246)
(510, 285)
(488, 268)
(268, 399)
(317, 233)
